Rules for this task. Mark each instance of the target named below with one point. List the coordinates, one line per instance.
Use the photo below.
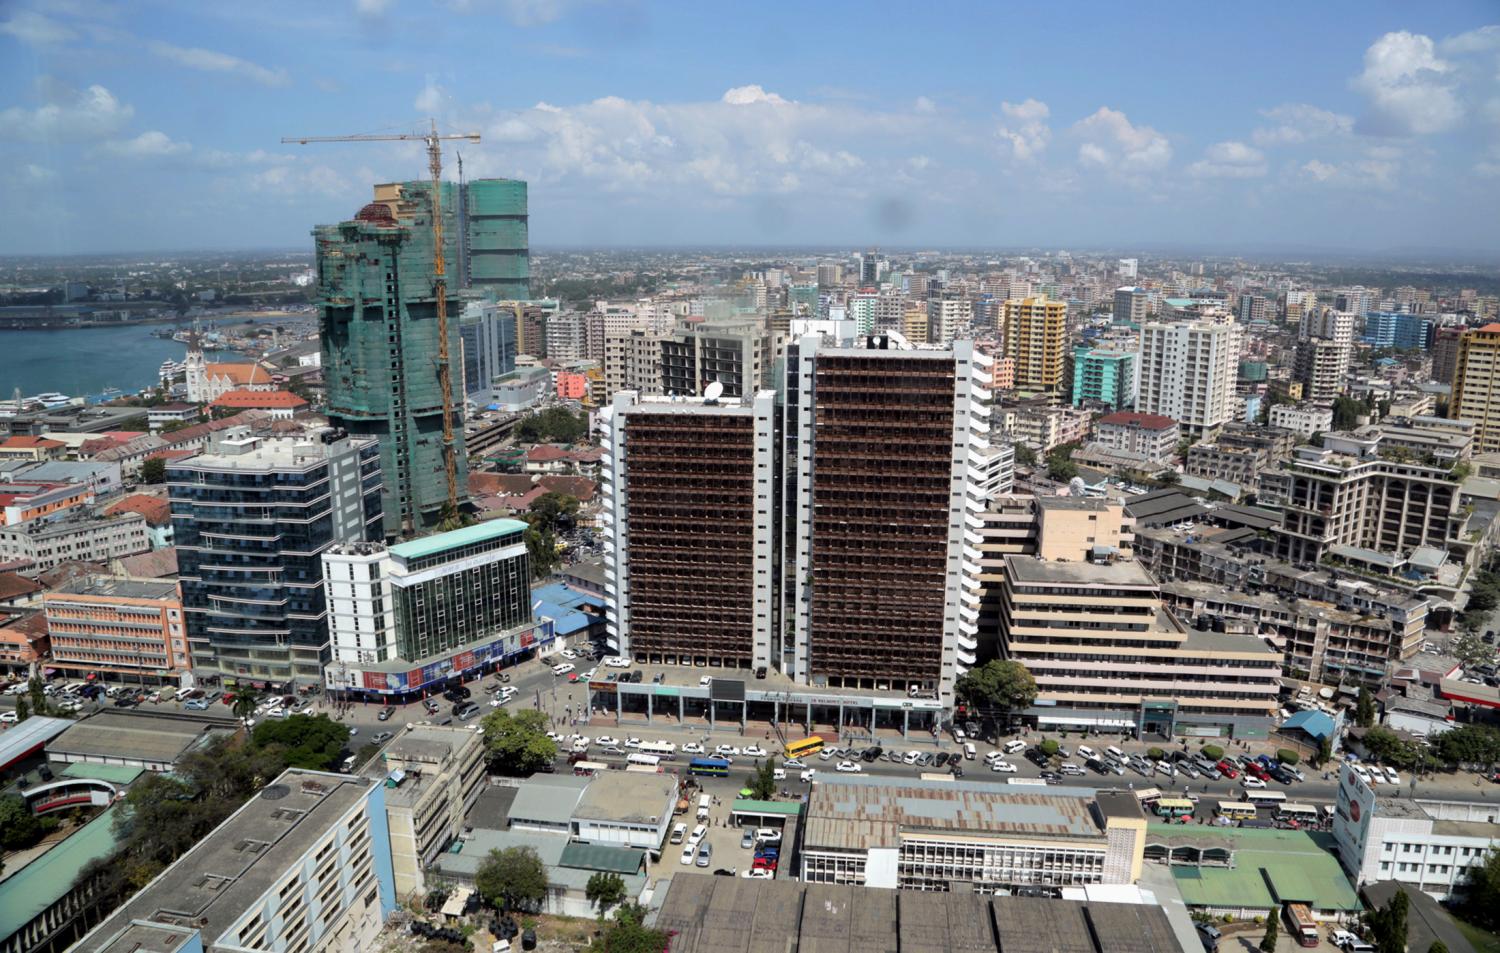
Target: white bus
(1257, 796)
(1301, 813)
(644, 761)
(664, 750)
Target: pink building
(1003, 372)
(572, 386)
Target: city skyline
(640, 125)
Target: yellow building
(1476, 386)
(1036, 337)
(914, 325)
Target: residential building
(251, 517)
(404, 619)
(1253, 308)
(1476, 385)
(1430, 439)
(882, 453)
(738, 353)
(1430, 845)
(997, 468)
(704, 596)
(632, 361)
(1187, 372)
(31, 449)
(1152, 436)
(487, 333)
(1132, 306)
(567, 336)
(163, 414)
(1214, 461)
(1079, 529)
(1445, 347)
(1355, 300)
(121, 629)
(1042, 425)
(571, 385)
(1106, 654)
(1397, 329)
(432, 774)
(303, 865)
(43, 544)
(376, 301)
(1305, 419)
(1325, 343)
(966, 836)
(1035, 337)
(949, 315)
(1104, 376)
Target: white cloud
(1409, 87)
(925, 105)
(751, 95)
(147, 145)
(1489, 167)
(38, 173)
(1371, 172)
(93, 113)
(1111, 142)
(1025, 131)
(1299, 122)
(28, 26)
(431, 99)
(212, 61)
(1229, 160)
(373, 9)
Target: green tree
(314, 742)
(1049, 747)
(1385, 745)
(1470, 649)
(1268, 942)
(605, 890)
(154, 470)
(996, 688)
(1481, 903)
(1213, 752)
(763, 780)
(38, 694)
(1325, 750)
(1287, 756)
(517, 742)
(1468, 744)
(1364, 708)
(552, 425)
(245, 703)
(512, 879)
(629, 934)
(553, 511)
(1388, 924)
(19, 828)
(541, 552)
(23, 710)
(1025, 456)
(1060, 465)
(1346, 412)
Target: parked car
(1004, 767)
(385, 713)
(849, 767)
(1251, 781)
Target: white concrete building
(627, 808)
(1305, 419)
(433, 774)
(1426, 844)
(1187, 372)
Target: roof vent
(276, 792)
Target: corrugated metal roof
(607, 857)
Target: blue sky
(1319, 126)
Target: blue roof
(570, 610)
(1314, 723)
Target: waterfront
(80, 361)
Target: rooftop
(468, 536)
(1130, 418)
(263, 453)
(1027, 570)
(548, 798)
(116, 587)
(132, 735)
(627, 797)
(1269, 867)
(35, 887)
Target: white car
(778, 774)
(633, 742)
(1085, 752)
(6, 717)
(993, 756)
(755, 751)
(1251, 781)
(699, 832)
(849, 767)
(1392, 775)
(562, 669)
(692, 747)
(689, 854)
(825, 754)
(617, 661)
(1167, 768)
(807, 775)
(607, 740)
(767, 835)
(1004, 767)
(758, 873)
(705, 681)
(1360, 772)
(726, 750)
(586, 676)
(793, 763)
(568, 654)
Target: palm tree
(244, 704)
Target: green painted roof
(607, 857)
(45, 880)
(751, 806)
(468, 536)
(113, 773)
(1270, 867)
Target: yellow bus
(1174, 807)
(1236, 810)
(810, 745)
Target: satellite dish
(713, 391)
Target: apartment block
(1445, 347)
(1188, 373)
(737, 353)
(690, 528)
(1476, 386)
(948, 317)
(1035, 336)
(303, 865)
(1104, 377)
(1132, 306)
(632, 361)
(1304, 419)
(1238, 465)
(432, 774)
(1152, 436)
(1042, 425)
(124, 627)
(1106, 654)
(43, 544)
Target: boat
(50, 400)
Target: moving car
(849, 767)
(562, 669)
(1004, 767)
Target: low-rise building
(433, 775)
(43, 544)
(1238, 465)
(178, 413)
(124, 627)
(278, 404)
(622, 807)
(1305, 419)
(1042, 426)
(1072, 528)
(1151, 435)
(25, 500)
(946, 835)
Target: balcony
(966, 658)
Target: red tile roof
(156, 509)
(242, 373)
(545, 453)
(31, 443)
(14, 586)
(264, 400)
(1130, 418)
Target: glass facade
(462, 595)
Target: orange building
(23, 640)
(31, 448)
(111, 624)
(23, 501)
(572, 386)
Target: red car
(763, 863)
(228, 698)
(1228, 770)
(1258, 770)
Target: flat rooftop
(1027, 570)
(212, 885)
(118, 588)
(114, 735)
(267, 453)
(627, 797)
(857, 813)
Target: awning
(1104, 722)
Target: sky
(1326, 126)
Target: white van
(969, 752)
(703, 802)
(1115, 753)
(1011, 747)
(679, 833)
(348, 767)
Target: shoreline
(235, 318)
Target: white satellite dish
(713, 391)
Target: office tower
(1253, 308)
(1035, 336)
(1128, 267)
(1104, 376)
(488, 333)
(1132, 306)
(1476, 386)
(567, 336)
(1325, 344)
(381, 353)
(1294, 304)
(1397, 329)
(632, 361)
(949, 315)
(830, 275)
(251, 517)
(871, 269)
(1445, 343)
(494, 244)
(883, 451)
(1187, 372)
(690, 528)
(738, 353)
(803, 299)
(917, 284)
(404, 619)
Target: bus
(643, 769)
(644, 761)
(1236, 810)
(1256, 796)
(1300, 923)
(1301, 813)
(589, 767)
(663, 750)
(808, 746)
(709, 767)
(1174, 807)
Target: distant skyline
(1331, 126)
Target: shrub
(1287, 756)
(1213, 751)
(1155, 754)
(1049, 747)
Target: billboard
(433, 673)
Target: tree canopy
(1468, 744)
(1364, 708)
(605, 890)
(1388, 924)
(154, 470)
(1481, 903)
(551, 512)
(512, 879)
(763, 780)
(1385, 745)
(314, 742)
(629, 934)
(997, 684)
(19, 828)
(552, 425)
(517, 742)
(1346, 412)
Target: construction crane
(439, 275)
